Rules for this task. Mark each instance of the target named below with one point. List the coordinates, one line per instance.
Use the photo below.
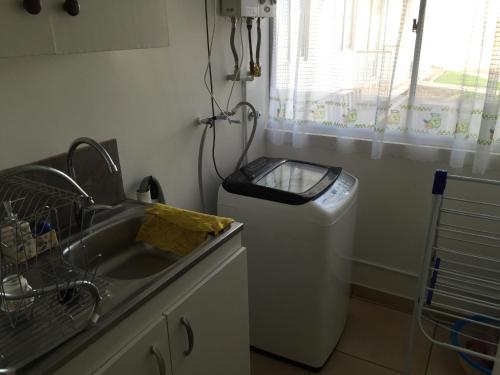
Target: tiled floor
(374, 343)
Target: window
(357, 68)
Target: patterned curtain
(344, 68)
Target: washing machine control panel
(338, 191)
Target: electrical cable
(209, 53)
(208, 71)
(250, 46)
(214, 102)
(213, 154)
(210, 41)
(209, 63)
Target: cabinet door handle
(190, 335)
(159, 358)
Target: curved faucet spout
(112, 168)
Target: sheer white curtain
(344, 68)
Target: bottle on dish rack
(16, 238)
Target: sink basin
(111, 247)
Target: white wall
(393, 211)
(147, 99)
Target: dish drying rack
(44, 299)
(459, 286)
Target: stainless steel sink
(111, 247)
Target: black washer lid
(282, 180)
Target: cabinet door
(21, 33)
(147, 354)
(208, 329)
(106, 25)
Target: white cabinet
(198, 324)
(101, 25)
(147, 354)
(208, 329)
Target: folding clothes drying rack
(459, 286)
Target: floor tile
(264, 365)
(380, 335)
(343, 364)
(444, 361)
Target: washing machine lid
(282, 180)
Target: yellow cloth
(181, 231)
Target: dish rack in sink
(44, 299)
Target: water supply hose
(258, 68)
(200, 168)
(233, 49)
(250, 45)
(254, 129)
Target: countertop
(61, 355)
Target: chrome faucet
(112, 168)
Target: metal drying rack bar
(459, 284)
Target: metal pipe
(466, 299)
(462, 288)
(470, 242)
(462, 253)
(460, 317)
(470, 214)
(250, 45)
(233, 49)
(470, 229)
(494, 288)
(454, 262)
(456, 231)
(465, 311)
(445, 327)
(258, 67)
(474, 179)
(467, 275)
(112, 168)
(471, 201)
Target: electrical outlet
(248, 8)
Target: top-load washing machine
(299, 225)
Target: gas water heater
(248, 8)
